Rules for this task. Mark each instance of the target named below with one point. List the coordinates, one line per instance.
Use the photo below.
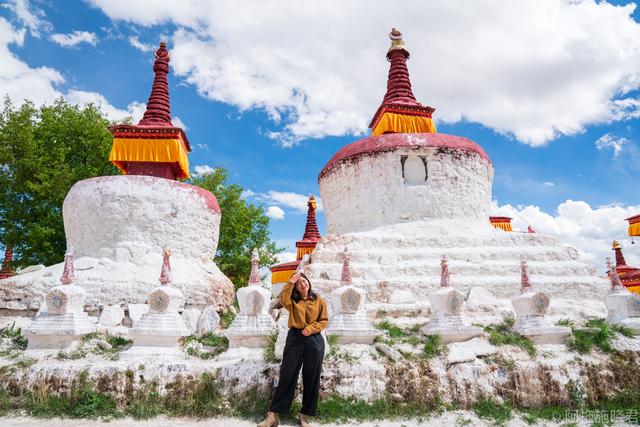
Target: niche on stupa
(414, 169)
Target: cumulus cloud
(286, 256)
(577, 224)
(29, 17)
(275, 212)
(144, 47)
(609, 141)
(200, 170)
(531, 69)
(75, 38)
(297, 202)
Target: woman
(304, 348)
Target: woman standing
(304, 349)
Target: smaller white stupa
(253, 324)
(531, 307)
(63, 324)
(160, 329)
(623, 307)
(446, 304)
(349, 319)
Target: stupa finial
(346, 278)
(68, 275)
(254, 277)
(614, 279)
(311, 232)
(399, 99)
(617, 247)
(525, 284)
(445, 276)
(158, 111)
(165, 273)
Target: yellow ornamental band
(403, 123)
(150, 150)
(634, 229)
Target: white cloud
(247, 194)
(199, 170)
(607, 140)
(178, 122)
(144, 47)
(577, 224)
(30, 18)
(286, 257)
(532, 69)
(275, 212)
(295, 201)
(75, 38)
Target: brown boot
(272, 420)
(304, 421)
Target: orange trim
(303, 251)
(150, 150)
(634, 229)
(281, 276)
(403, 123)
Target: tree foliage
(243, 227)
(43, 152)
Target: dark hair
(295, 295)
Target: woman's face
(302, 286)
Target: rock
(283, 326)
(112, 315)
(208, 321)
(103, 344)
(136, 311)
(30, 269)
(460, 352)
(392, 354)
(481, 298)
(190, 317)
(401, 297)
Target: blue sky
(555, 102)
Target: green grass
(342, 410)
(585, 342)
(490, 409)
(78, 353)
(503, 334)
(18, 341)
(227, 317)
(213, 344)
(270, 349)
(432, 347)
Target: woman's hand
(294, 279)
(305, 332)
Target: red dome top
(393, 141)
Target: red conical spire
(68, 275)
(399, 99)
(6, 270)
(311, 232)
(620, 261)
(346, 278)
(444, 272)
(254, 277)
(613, 276)
(525, 284)
(158, 111)
(165, 272)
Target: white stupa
(253, 324)
(623, 307)
(64, 323)
(119, 225)
(404, 196)
(349, 321)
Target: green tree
(43, 152)
(243, 227)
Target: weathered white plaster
(370, 191)
(119, 226)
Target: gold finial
(163, 44)
(616, 245)
(312, 201)
(396, 40)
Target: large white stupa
(120, 226)
(405, 196)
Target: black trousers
(305, 352)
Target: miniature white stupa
(65, 321)
(531, 307)
(253, 324)
(162, 326)
(404, 196)
(623, 307)
(446, 304)
(349, 319)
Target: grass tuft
(503, 334)
(432, 347)
(270, 349)
(584, 341)
(490, 409)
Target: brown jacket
(305, 314)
